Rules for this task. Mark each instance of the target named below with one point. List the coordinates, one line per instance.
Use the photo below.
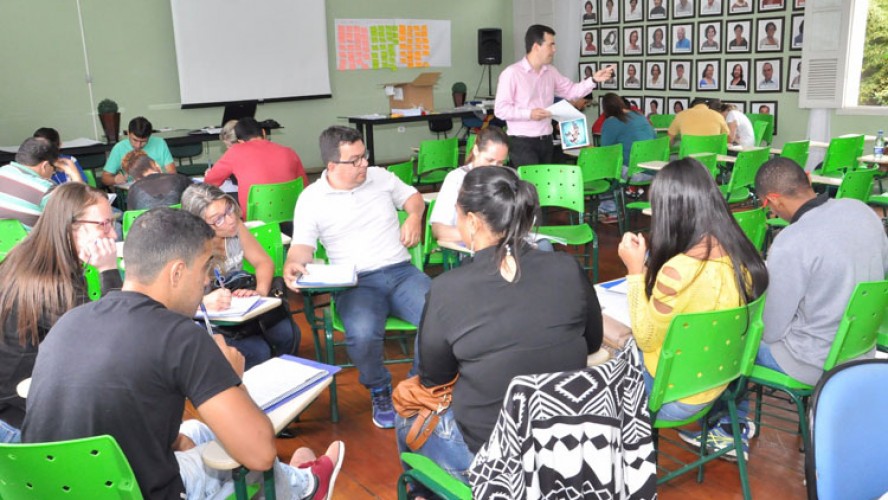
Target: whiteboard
(237, 50)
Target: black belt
(538, 138)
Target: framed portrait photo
(740, 6)
(682, 35)
(653, 106)
(710, 8)
(680, 76)
(633, 11)
(771, 5)
(590, 12)
(635, 101)
(587, 70)
(769, 35)
(798, 5)
(633, 43)
(737, 36)
(797, 33)
(589, 42)
(794, 74)
(676, 105)
(708, 74)
(682, 8)
(657, 39)
(709, 36)
(767, 75)
(740, 105)
(610, 41)
(632, 75)
(655, 75)
(736, 75)
(613, 82)
(765, 108)
(610, 12)
(658, 10)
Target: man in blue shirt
(681, 40)
(138, 138)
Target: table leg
(368, 140)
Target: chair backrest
(274, 202)
(860, 324)
(847, 433)
(759, 128)
(435, 154)
(747, 165)
(93, 279)
(691, 144)
(93, 467)
(128, 217)
(91, 161)
(661, 121)
(11, 233)
(470, 143)
(649, 150)
(186, 151)
(754, 334)
(754, 225)
(269, 237)
(768, 136)
(557, 185)
(601, 163)
(701, 351)
(403, 171)
(857, 184)
(89, 177)
(710, 161)
(796, 151)
(842, 154)
(417, 258)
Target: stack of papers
(328, 275)
(278, 378)
(614, 300)
(239, 307)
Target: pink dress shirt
(520, 90)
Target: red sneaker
(325, 469)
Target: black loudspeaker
(490, 46)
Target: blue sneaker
(383, 411)
(717, 439)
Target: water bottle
(879, 148)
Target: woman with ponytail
(509, 310)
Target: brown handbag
(411, 398)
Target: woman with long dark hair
(622, 125)
(700, 260)
(511, 310)
(43, 279)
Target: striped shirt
(23, 194)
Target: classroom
(330, 89)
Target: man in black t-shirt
(124, 365)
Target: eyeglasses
(105, 225)
(356, 162)
(218, 221)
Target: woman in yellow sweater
(699, 260)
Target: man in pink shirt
(255, 160)
(527, 88)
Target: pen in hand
(206, 318)
(219, 280)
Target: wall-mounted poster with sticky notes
(391, 43)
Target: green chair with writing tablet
(693, 144)
(753, 224)
(403, 171)
(857, 185)
(768, 135)
(11, 233)
(742, 180)
(273, 202)
(796, 151)
(435, 159)
(841, 156)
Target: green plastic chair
(759, 128)
(742, 180)
(882, 336)
(602, 169)
(187, 153)
(128, 217)
(768, 136)
(470, 143)
(269, 237)
(433, 254)
(796, 151)
(857, 184)
(661, 121)
(752, 222)
(274, 202)
(561, 186)
(855, 337)
(93, 467)
(93, 282)
(641, 151)
(89, 176)
(692, 144)
(403, 171)
(436, 157)
(710, 161)
(333, 323)
(703, 351)
(841, 156)
(426, 472)
(11, 233)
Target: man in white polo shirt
(351, 209)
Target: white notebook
(276, 379)
(328, 275)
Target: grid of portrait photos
(677, 49)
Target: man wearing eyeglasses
(24, 183)
(351, 210)
(255, 160)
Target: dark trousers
(529, 150)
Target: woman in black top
(43, 279)
(511, 310)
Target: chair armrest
(433, 477)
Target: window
(874, 71)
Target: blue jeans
(762, 358)
(445, 446)
(674, 410)
(9, 434)
(279, 338)
(397, 290)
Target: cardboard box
(419, 92)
